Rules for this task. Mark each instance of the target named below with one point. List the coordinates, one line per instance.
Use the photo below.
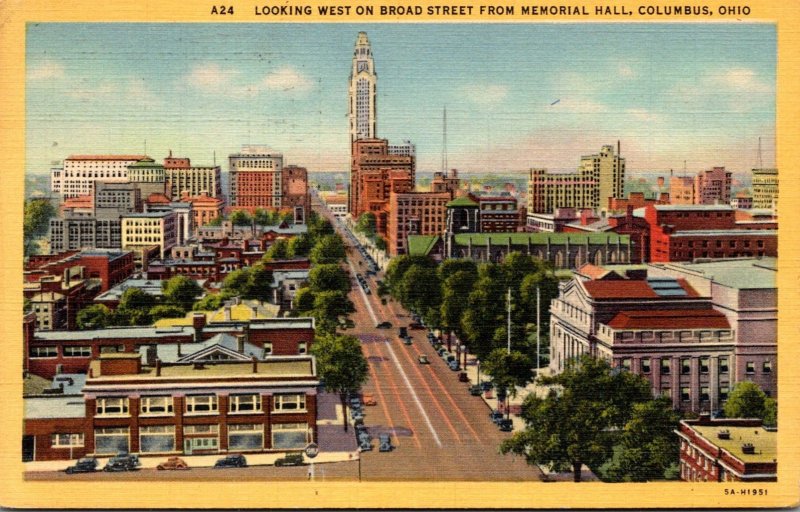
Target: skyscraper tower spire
(363, 92)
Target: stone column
(675, 373)
(695, 383)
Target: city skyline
(539, 96)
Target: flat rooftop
(274, 367)
(739, 273)
(764, 441)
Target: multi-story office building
(363, 92)
(374, 174)
(294, 192)
(414, 213)
(195, 406)
(148, 176)
(110, 267)
(598, 177)
(144, 230)
(685, 232)
(84, 233)
(205, 208)
(79, 173)
(765, 188)
(406, 148)
(185, 179)
(713, 186)
(255, 178)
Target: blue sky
(703, 93)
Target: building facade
(599, 177)
(363, 112)
(414, 213)
(727, 450)
(374, 174)
(765, 188)
(255, 178)
(143, 230)
(713, 186)
(79, 173)
(185, 179)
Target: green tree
(770, 412)
(647, 444)
(134, 308)
(279, 250)
(580, 419)
(341, 364)
(287, 217)
(299, 246)
(166, 311)
(210, 302)
(397, 268)
(328, 277)
(420, 291)
(241, 218)
(181, 291)
(451, 266)
(508, 370)
(746, 400)
(331, 310)
(259, 284)
(328, 249)
(38, 213)
(235, 283)
(455, 290)
(263, 217)
(319, 227)
(380, 243)
(96, 316)
(545, 281)
(304, 301)
(366, 224)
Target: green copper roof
(146, 162)
(540, 238)
(461, 201)
(421, 245)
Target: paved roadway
(440, 431)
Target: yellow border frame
(16, 492)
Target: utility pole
(508, 329)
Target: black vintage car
(122, 462)
(231, 461)
(291, 459)
(84, 465)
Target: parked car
(475, 390)
(453, 364)
(384, 325)
(416, 326)
(231, 461)
(423, 359)
(83, 465)
(364, 444)
(462, 377)
(407, 340)
(173, 463)
(122, 462)
(291, 459)
(496, 416)
(402, 332)
(369, 399)
(385, 443)
(486, 385)
(506, 425)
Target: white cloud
(210, 77)
(85, 91)
(287, 79)
(46, 70)
(485, 94)
(743, 80)
(642, 114)
(625, 71)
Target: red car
(173, 463)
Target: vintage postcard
(416, 255)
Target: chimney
(158, 367)
(255, 312)
(179, 349)
(66, 278)
(227, 311)
(198, 322)
(59, 369)
(240, 343)
(255, 364)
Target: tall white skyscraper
(363, 90)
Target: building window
(267, 349)
(84, 351)
(665, 366)
(686, 366)
(244, 403)
(286, 436)
(201, 404)
(289, 403)
(626, 364)
(246, 437)
(157, 438)
(704, 394)
(302, 347)
(704, 364)
(723, 365)
(767, 367)
(110, 441)
(154, 405)
(685, 394)
(42, 352)
(66, 440)
(723, 393)
(111, 407)
(646, 365)
(750, 368)
(666, 393)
